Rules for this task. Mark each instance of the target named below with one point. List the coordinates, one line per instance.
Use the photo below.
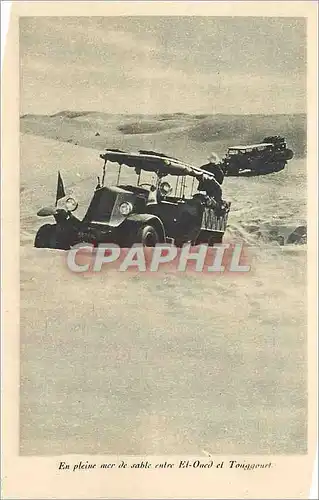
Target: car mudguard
(47, 211)
(140, 219)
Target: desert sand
(121, 363)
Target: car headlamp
(126, 208)
(165, 188)
(71, 204)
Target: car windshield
(182, 186)
(124, 175)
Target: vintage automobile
(271, 155)
(149, 212)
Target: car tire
(147, 236)
(46, 237)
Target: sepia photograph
(159, 249)
(147, 130)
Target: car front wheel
(147, 236)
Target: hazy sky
(163, 64)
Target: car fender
(61, 216)
(47, 211)
(140, 219)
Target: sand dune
(192, 137)
(259, 205)
(176, 364)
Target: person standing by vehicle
(215, 167)
(210, 186)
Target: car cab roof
(250, 146)
(154, 162)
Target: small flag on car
(60, 192)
